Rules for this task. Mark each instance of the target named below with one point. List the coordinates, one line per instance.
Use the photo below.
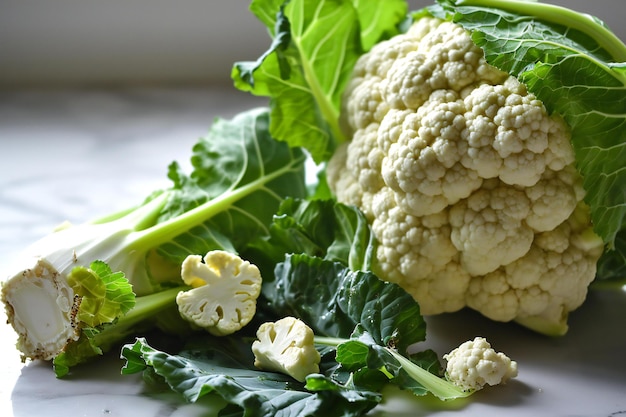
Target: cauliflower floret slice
(224, 294)
(475, 364)
(286, 346)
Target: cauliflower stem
(66, 287)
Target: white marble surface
(73, 155)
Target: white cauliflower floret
(286, 346)
(510, 136)
(461, 173)
(557, 192)
(488, 228)
(423, 165)
(419, 247)
(224, 294)
(475, 364)
(550, 280)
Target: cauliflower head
(468, 182)
(286, 346)
(475, 364)
(224, 292)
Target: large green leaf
(321, 228)
(226, 369)
(333, 300)
(240, 176)
(379, 19)
(310, 60)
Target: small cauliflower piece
(286, 346)
(475, 364)
(224, 294)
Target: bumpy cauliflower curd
(475, 364)
(468, 182)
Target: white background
(113, 42)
